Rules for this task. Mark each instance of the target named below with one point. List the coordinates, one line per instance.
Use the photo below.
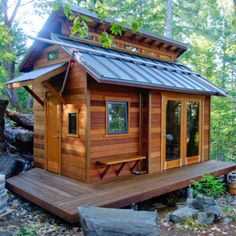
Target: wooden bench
(122, 160)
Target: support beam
(54, 92)
(34, 95)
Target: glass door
(172, 132)
(181, 130)
(193, 132)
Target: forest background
(208, 26)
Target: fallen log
(22, 120)
(3, 106)
(106, 221)
(19, 138)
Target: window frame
(72, 111)
(117, 100)
(53, 51)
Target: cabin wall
(207, 127)
(155, 132)
(73, 149)
(104, 146)
(39, 114)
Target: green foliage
(27, 231)
(106, 39)
(171, 202)
(117, 27)
(136, 25)
(209, 186)
(192, 224)
(229, 212)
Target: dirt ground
(25, 217)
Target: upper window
(117, 117)
(72, 123)
(133, 49)
(53, 55)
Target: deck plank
(61, 195)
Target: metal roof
(35, 74)
(114, 66)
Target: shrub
(27, 231)
(209, 186)
(192, 224)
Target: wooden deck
(61, 195)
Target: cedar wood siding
(207, 125)
(139, 140)
(73, 155)
(155, 133)
(111, 146)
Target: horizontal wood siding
(73, 154)
(112, 146)
(42, 58)
(207, 117)
(39, 127)
(155, 133)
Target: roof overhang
(37, 76)
(48, 28)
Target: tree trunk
(169, 20)
(3, 106)
(23, 120)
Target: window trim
(77, 123)
(117, 99)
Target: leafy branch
(80, 23)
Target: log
(3, 106)
(22, 120)
(106, 221)
(19, 138)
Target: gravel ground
(26, 216)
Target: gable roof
(117, 67)
(50, 23)
(144, 32)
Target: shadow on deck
(61, 195)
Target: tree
(168, 27)
(13, 46)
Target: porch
(61, 195)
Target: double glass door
(181, 131)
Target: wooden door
(53, 114)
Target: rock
(209, 200)
(196, 203)
(205, 218)
(213, 209)
(167, 217)
(178, 215)
(5, 234)
(203, 208)
(97, 221)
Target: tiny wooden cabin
(101, 113)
